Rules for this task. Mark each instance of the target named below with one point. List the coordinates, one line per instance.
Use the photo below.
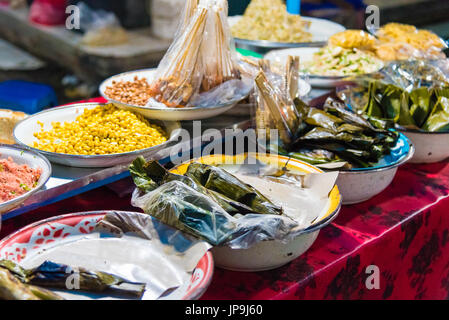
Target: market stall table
(404, 232)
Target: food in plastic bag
(212, 203)
(199, 59)
(180, 72)
(217, 51)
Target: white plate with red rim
(43, 235)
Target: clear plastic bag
(180, 72)
(217, 49)
(200, 58)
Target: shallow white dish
(429, 146)
(24, 130)
(34, 160)
(168, 114)
(321, 30)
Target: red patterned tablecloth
(404, 231)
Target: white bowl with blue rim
(360, 184)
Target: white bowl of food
(22, 173)
(24, 134)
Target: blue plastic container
(25, 96)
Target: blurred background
(53, 65)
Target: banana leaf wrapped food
(332, 134)
(207, 202)
(423, 108)
(11, 288)
(411, 94)
(215, 205)
(59, 276)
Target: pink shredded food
(15, 179)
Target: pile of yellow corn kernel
(99, 131)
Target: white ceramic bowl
(34, 160)
(360, 185)
(265, 255)
(167, 114)
(429, 146)
(271, 254)
(24, 130)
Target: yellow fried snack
(99, 131)
(350, 39)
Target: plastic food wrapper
(209, 211)
(101, 28)
(200, 58)
(227, 92)
(133, 246)
(217, 52)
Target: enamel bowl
(429, 146)
(34, 160)
(361, 184)
(24, 130)
(271, 254)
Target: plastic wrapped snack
(275, 93)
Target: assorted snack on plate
(319, 135)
